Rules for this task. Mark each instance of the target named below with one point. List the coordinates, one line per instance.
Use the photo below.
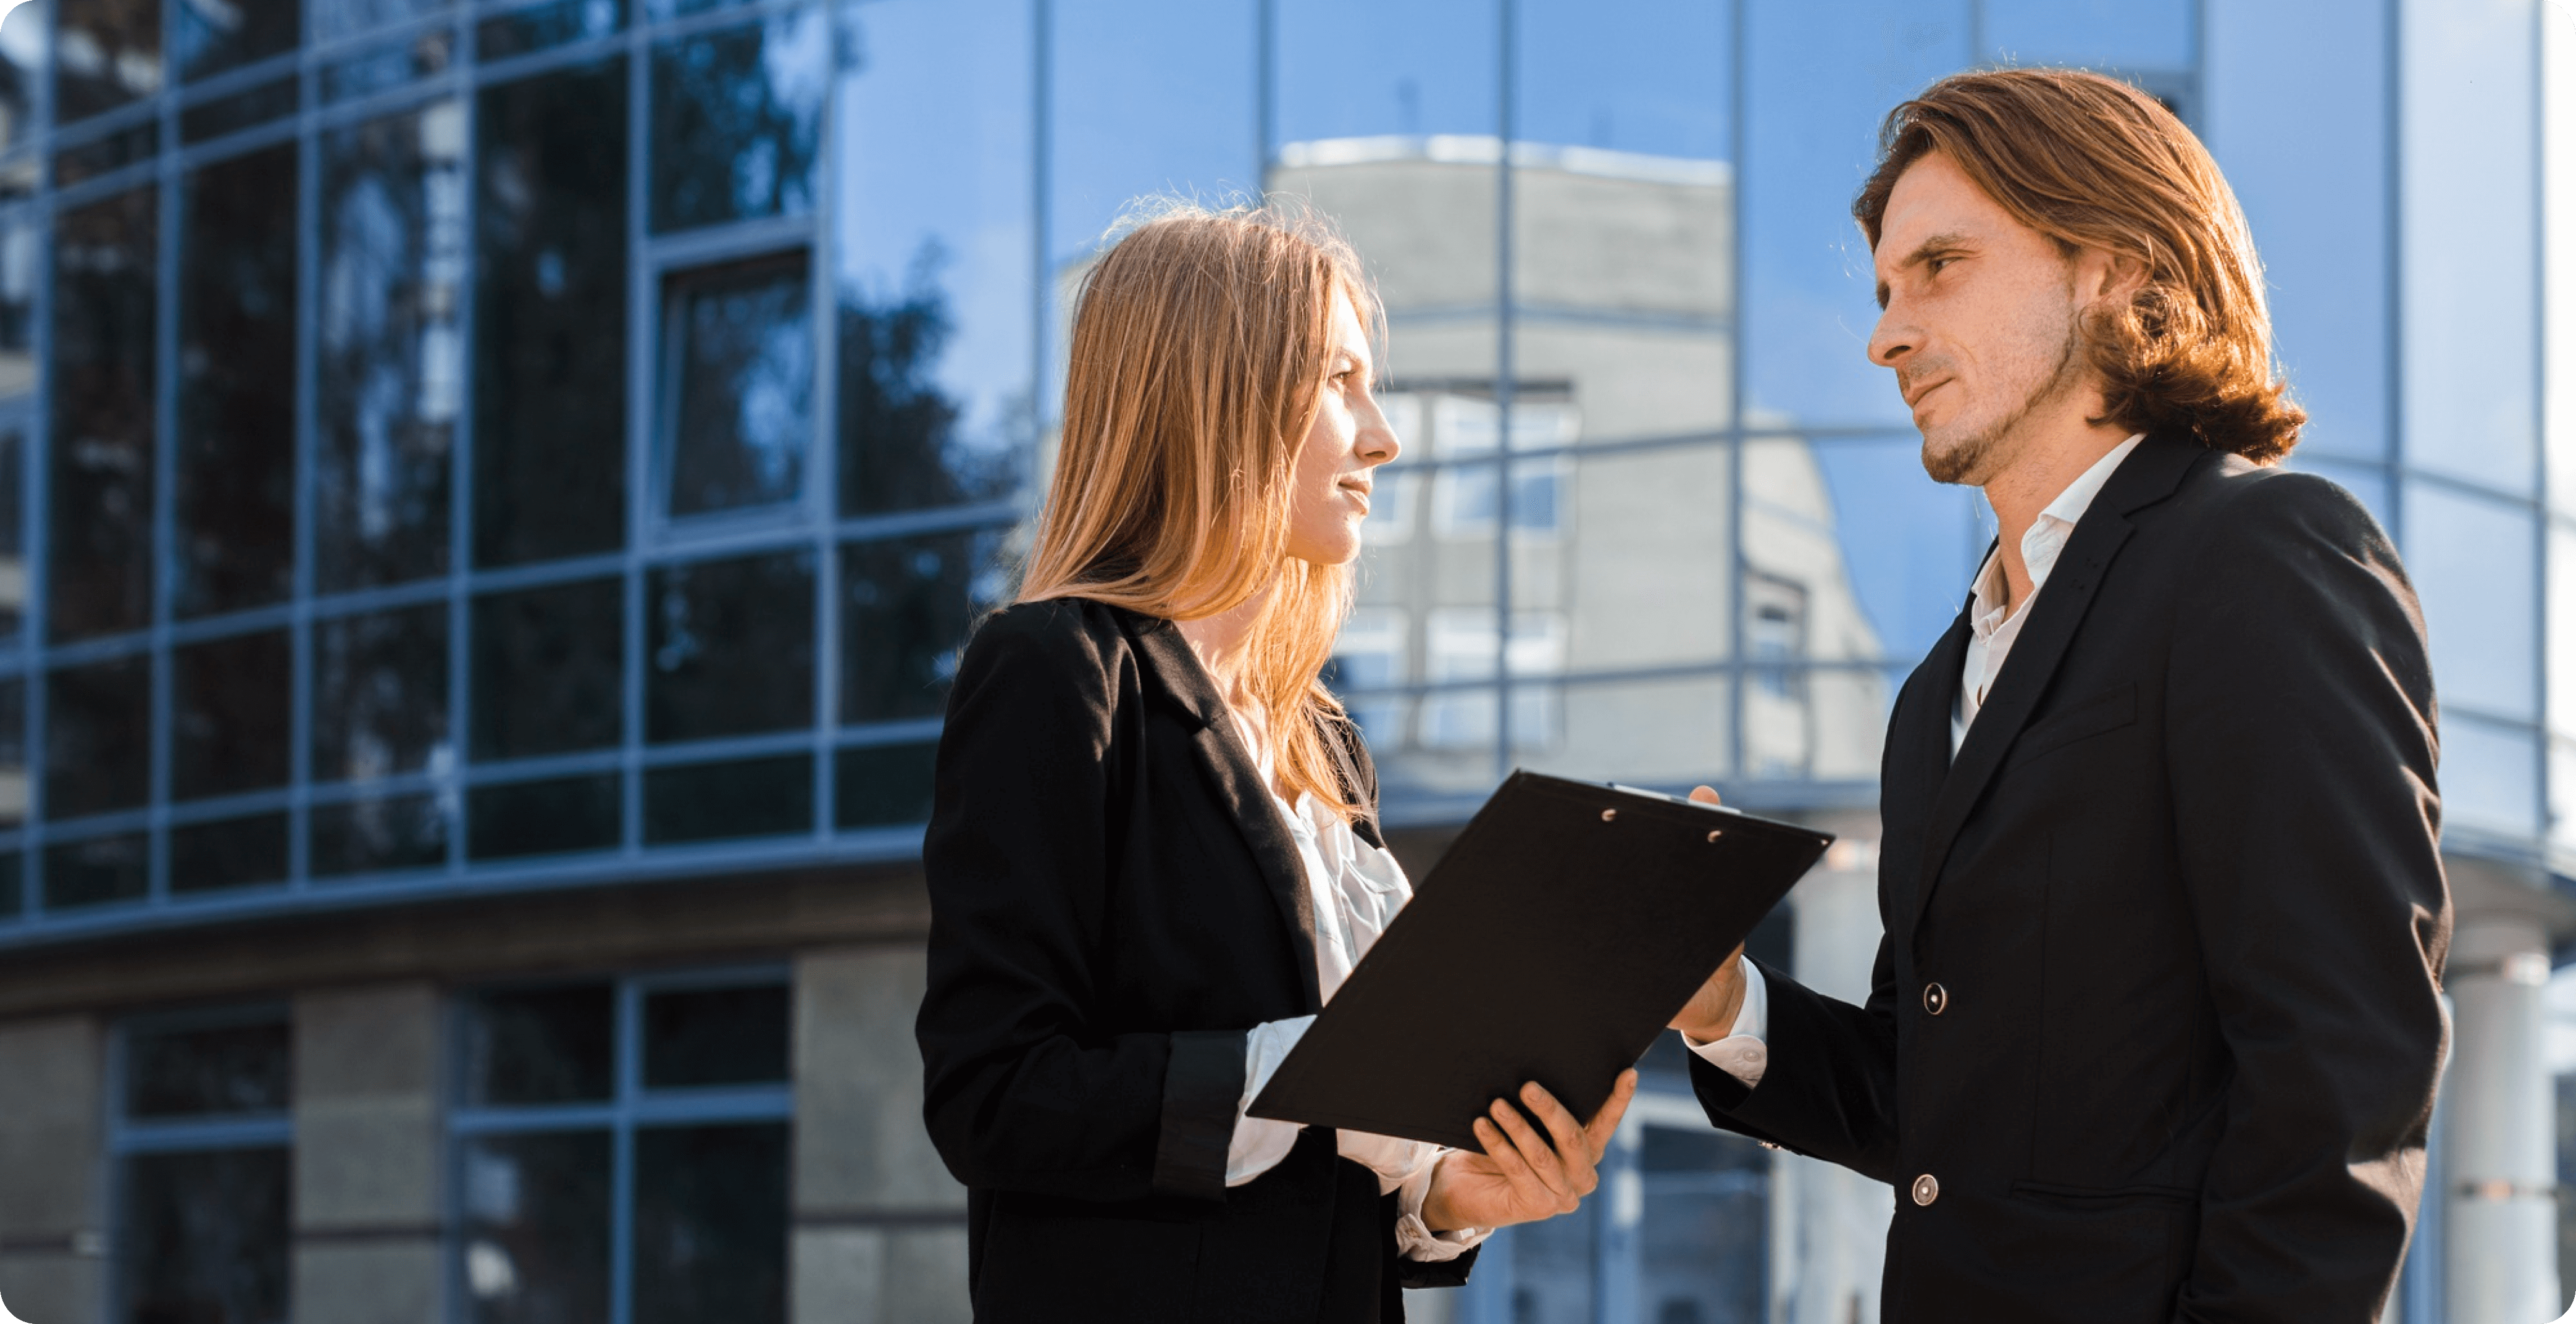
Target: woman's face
(1349, 441)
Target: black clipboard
(1553, 942)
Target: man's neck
(2042, 470)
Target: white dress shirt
(1993, 625)
(1355, 889)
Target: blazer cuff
(1202, 1089)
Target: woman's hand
(1521, 1177)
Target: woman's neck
(1221, 640)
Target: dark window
(107, 53)
(542, 817)
(22, 63)
(738, 378)
(379, 693)
(13, 886)
(200, 1070)
(21, 250)
(882, 785)
(241, 110)
(202, 1237)
(389, 371)
(541, 1045)
(228, 715)
(103, 353)
(715, 1036)
(711, 1224)
(378, 835)
(550, 349)
(99, 156)
(536, 1235)
(236, 466)
(217, 36)
(736, 118)
(236, 852)
(547, 671)
(13, 753)
(98, 737)
(389, 66)
(732, 647)
(906, 604)
(13, 535)
(545, 27)
(342, 18)
(98, 871)
(711, 801)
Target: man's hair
(2089, 160)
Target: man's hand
(1710, 1014)
(1521, 1177)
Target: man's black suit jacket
(2180, 893)
(1114, 903)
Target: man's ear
(2104, 276)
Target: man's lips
(1914, 397)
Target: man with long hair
(2156, 1024)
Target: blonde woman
(1154, 851)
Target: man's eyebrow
(1923, 252)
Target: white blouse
(1356, 888)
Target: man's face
(1979, 321)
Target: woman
(1154, 851)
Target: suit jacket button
(1927, 1188)
(1936, 999)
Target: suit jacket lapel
(2149, 475)
(1172, 668)
(1918, 758)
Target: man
(2155, 1028)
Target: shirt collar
(2043, 541)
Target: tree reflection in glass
(389, 379)
(380, 694)
(737, 115)
(102, 461)
(902, 446)
(236, 462)
(740, 365)
(215, 35)
(109, 53)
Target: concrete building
(490, 496)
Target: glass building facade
(491, 496)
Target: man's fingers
(1515, 1169)
(1542, 1157)
(1574, 1152)
(1605, 1123)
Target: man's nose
(1889, 343)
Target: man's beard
(1973, 458)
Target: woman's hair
(2089, 160)
(1201, 343)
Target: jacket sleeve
(1023, 1089)
(1829, 1089)
(2301, 744)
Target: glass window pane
(380, 694)
(2092, 34)
(203, 1070)
(389, 66)
(542, 817)
(1652, 732)
(21, 250)
(2560, 632)
(1884, 555)
(236, 463)
(13, 886)
(98, 871)
(238, 852)
(544, 27)
(379, 835)
(1150, 96)
(550, 357)
(936, 331)
(341, 18)
(906, 606)
(98, 737)
(99, 156)
(214, 36)
(1425, 67)
(102, 453)
(107, 54)
(736, 119)
(2472, 562)
(738, 369)
(547, 669)
(228, 715)
(714, 801)
(1814, 97)
(22, 65)
(882, 785)
(2490, 777)
(389, 374)
(541, 1045)
(13, 753)
(13, 558)
(732, 647)
(241, 110)
(715, 1036)
(203, 1237)
(1703, 1240)
(536, 1234)
(711, 1224)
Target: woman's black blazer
(1115, 901)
